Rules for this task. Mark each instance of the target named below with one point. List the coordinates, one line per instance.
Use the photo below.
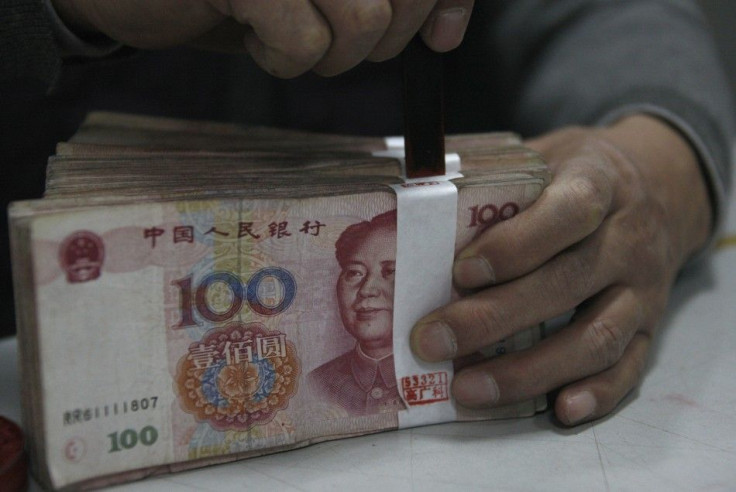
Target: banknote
(171, 318)
(105, 133)
(175, 332)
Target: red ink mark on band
(427, 388)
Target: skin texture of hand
(626, 208)
(285, 37)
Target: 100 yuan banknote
(197, 331)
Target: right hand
(285, 37)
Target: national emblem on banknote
(81, 256)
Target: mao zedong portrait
(362, 380)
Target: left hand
(626, 208)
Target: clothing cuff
(71, 45)
(715, 185)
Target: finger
(598, 395)
(147, 25)
(547, 142)
(445, 27)
(357, 26)
(594, 342)
(572, 207)
(488, 316)
(288, 37)
(227, 37)
(406, 19)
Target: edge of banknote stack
(117, 169)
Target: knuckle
(648, 250)
(587, 201)
(489, 322)
(310, 43)
(572, 277)
(584, 189)
(605, 341)
(369, 17)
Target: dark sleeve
(592, 61)
(28, 51)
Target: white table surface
(677, 432)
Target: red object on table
(13, 460)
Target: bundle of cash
(192, 293)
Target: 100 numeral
(129, 438)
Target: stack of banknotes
(191, 293)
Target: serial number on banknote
(86, 414)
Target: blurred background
(722, 14)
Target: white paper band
(394, 142)
(425, 249)
(452, 161)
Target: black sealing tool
(424, 123)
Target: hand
(626, 208)
(285, 37)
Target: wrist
(671, 170)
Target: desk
(676, 433)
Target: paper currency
(217, 312)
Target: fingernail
(473, 272)
(580, 407)
(434, 341)
(475, 389)
(448, 28)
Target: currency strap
(425, 250)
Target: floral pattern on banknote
(238, 376)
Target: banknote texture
(177, 330)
